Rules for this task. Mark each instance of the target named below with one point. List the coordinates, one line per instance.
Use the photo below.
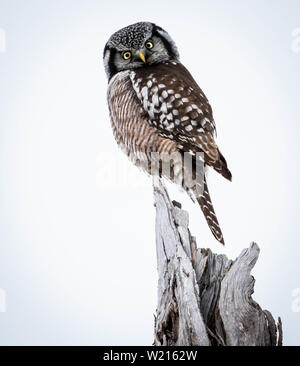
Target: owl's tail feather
(195, 185)
(207, 208)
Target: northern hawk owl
(157, 109)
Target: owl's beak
(142, 57)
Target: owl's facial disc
(138, 45)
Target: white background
(77, 245)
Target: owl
(160, 117)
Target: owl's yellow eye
(126, 55)
(149, 44)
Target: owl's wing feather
(178, 108)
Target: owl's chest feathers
(129, 121)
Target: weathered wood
(203, 298)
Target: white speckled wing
(177, 106)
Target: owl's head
(138, 45)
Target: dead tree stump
(204, 299)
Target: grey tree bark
(204, 299)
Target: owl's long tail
(195, 185)
(207, 208)
(199, 192)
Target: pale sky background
(77, 243)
